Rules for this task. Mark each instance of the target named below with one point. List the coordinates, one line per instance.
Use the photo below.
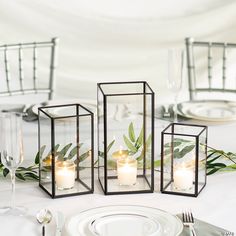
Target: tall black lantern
(183, 159)
(125, 137)
(66, 150)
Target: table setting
(120, 164)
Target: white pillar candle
(127, 171)
(183, 178)
(65, 175)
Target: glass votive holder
(127, 171)
(65, 174)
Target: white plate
(89, 104)
(208, 110)
(123, 221)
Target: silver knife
(60, 219)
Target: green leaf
(213, 159)
(101, 154)
(149, 141)
(39, 154)
(111, 164)
(110, 145)
(55, 150)
(129, 145)
(139, 141)
(174, 143)
(61, 154)
(20, 176)
(131, 132)
(213, 165)
(180, 154)
(74, 150)
(213, 171)
(31, 175)
(84, 156)
(5, 172)
(157, 163)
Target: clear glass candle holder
(65, 174)
(127, 171)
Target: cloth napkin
(205, 229)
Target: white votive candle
(183, 178)
(65, 174)
(127, 171)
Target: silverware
(44, 217)
(166, 112)
(60, 219)
(188, 221)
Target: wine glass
(175, 75)
(11, 150)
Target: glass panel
(202, 160)
(85, 166)
(100, 111)
(45, 152)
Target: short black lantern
(66, 150)
(125, 137)
(183, 159)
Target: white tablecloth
(216, 204)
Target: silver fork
(188, 221)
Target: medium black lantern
(66, 150)
(183, 159)
(125, 137)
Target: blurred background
(110, 40)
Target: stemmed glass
(11, 150)
(175, 75)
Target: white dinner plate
(64, 111)
(208, 110)
(123, 221)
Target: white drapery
(110, 40)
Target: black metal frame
(196, 190)
(152, 94)
(91, 115)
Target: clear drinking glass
(11, 149)
(175, 75)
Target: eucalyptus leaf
(111, 164)
(213, 159)
(129, 145)
(213, 171)
(180, 154)
(131, 132)
(157, 163)
(61, 154)
(110, 145)
(74, 150)
(84, 156)
(39, 154)
(20, 176)
(139, 141)
(5, 172)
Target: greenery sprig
(217, 160)
(68, 152)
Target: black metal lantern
(126, 137)
(183, 159)
(66, 150)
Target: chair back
(210, 68)
(28, 68)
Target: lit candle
(65, 175)
(127, 171)
(121, 154)
(183, 178)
